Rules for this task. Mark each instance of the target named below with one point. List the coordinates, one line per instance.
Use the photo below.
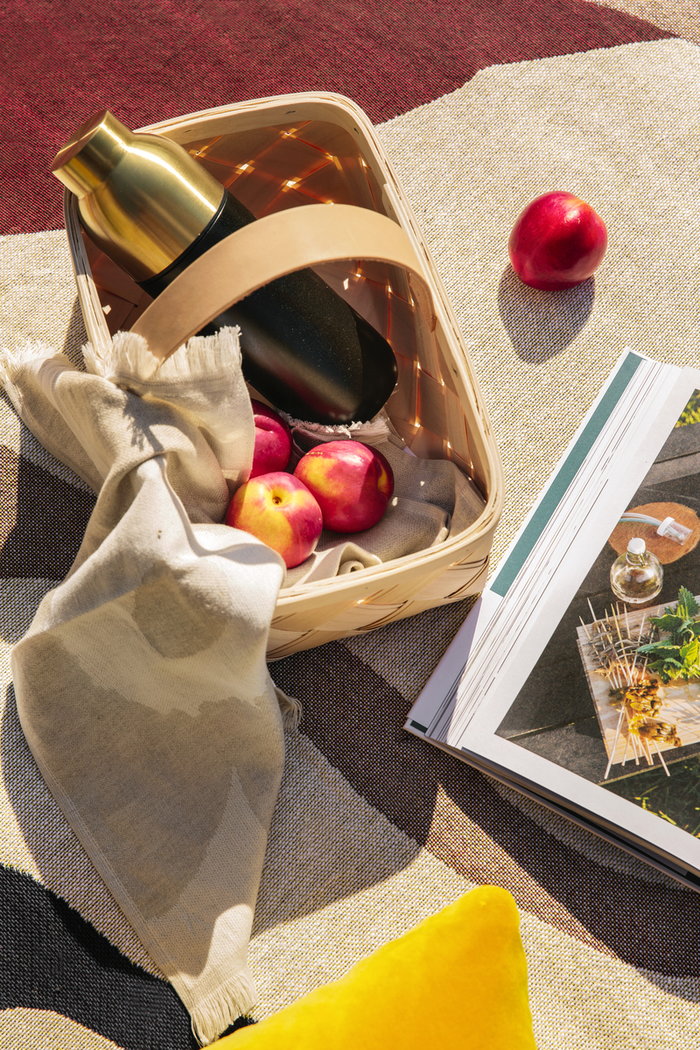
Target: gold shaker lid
(142, 198)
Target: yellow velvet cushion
(458, 981)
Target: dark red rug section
(60, 61)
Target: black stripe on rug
(52, 959)
(42, 519)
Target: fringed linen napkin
(142, 685)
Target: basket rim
(334, 99)
(429, 557)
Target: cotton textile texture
(141, 685)
(480, 105)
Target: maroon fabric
(60, 62)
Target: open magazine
(555, 684)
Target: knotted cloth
(142, 685)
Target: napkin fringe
(13, 361)
(290, 707)
(216, 1013)
(127, 357)
(375, 429)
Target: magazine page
(558, 682)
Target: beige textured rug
(374, 829)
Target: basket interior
(282, 165)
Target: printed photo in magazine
(615, 696)
(582, 681)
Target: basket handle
(268, 248)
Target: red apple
(557, 242)
(273, 440)
(280, 511)
(352, 482)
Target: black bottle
(153, 209)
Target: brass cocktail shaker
(153, 209)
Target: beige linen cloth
(142, 684)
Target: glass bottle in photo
(636, 576)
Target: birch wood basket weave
(305, 150)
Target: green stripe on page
(564, 476)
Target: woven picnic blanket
(480, 107)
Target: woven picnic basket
(284, 157)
